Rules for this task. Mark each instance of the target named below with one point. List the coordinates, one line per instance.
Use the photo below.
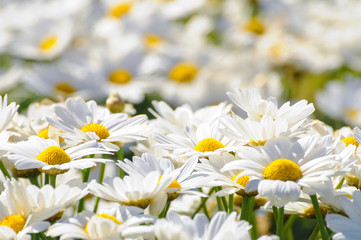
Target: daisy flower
(204, 141)
(185, 180)
(85, 121)
(347, 227)
(109, 224)
(7, 112)
(136, 190)
(49, 157)
(17, 204)
(283, 166)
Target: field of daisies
(180, 119)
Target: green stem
(250, 208)
(290, 222)
(219, 204)
(53, 180)
(121, 158)
(206, 212)
(339, 185)
(245, 201)
(34, 181)
(4, 170)
(100, 180)
(314, 233)
(253, 222)
(319, 217)
(47, 178)
(86, 173)
(165, 210)
(203, 202)
(275, 213)
(280, 217)
(230, 203)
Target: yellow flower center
(48, 43)
(98, 129)
(15, 222)
(174, 184)
(142, 203)
(54, 155)
(208, 145)
(257, 143)
(255, 25)
(120, 76)
(350, 140)
(103, 215)
(284, 170)
(44, 133)
(64, 88)
(120, 9)
(242, 180)
(183, 72)
(152, 40)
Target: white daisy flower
(7, 112)
(221, 226)
(109, 224)
(49, 157)
(18, 218)
(347, 227)
(85, 121)
(185, 180)
(283, 167)
(136, 190)
(204, 141)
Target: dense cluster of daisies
(194, 174)
(91, 48)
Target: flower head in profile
(49, 157)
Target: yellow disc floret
(54, 155)
(103, 215)
(255, 25)
(242, 180)
(64, 88)
(120, 76)
(350, 140)
(208, 145)
(183, 72)
(98, 129)
(48, 43)
(283, 169)
(15, 222)
(152, 40)
(120, 9)
(44, 133)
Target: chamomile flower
(283, 166)
(49, 157)
(18, 218)
(347, 227)
(221, 226)
(185, 180)
(136, 190)
(109, 224)
(205, 140)
(85, 121)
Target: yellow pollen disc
(174, 184)
(98, 129)
(44, 133)
(257, 143)
(183, 72)
(255, 25)
(350, 140)
(284, 170)
(64, 88)
(142, 203)
(54, 155)
(152, 40)
(15, 222)
(120, 76)
(48, 43)
(120, 9)
(242, 180)
(103, 215)
(208, 145)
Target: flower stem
(314, 233)
(290, 222)
(339, 185)
(230, 203)
(53, 180)
(280, 217)
(4, 170)
(47, 179)
(34, 180)
(250, 208)
(319, 217)
(203, 202)
(165, 210)
(244, 209)
(100, 180)
(86, 173)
